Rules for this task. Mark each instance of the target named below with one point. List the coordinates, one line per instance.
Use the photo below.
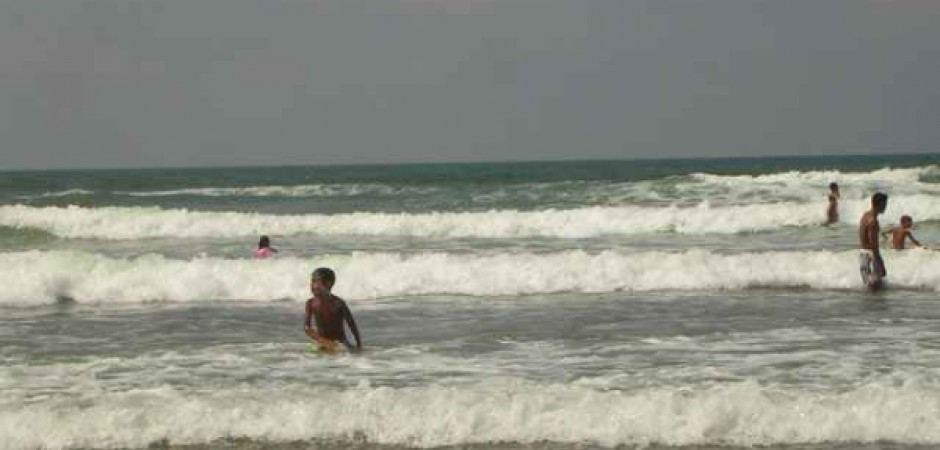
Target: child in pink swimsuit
(264, 249)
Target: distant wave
(793, 186)
(743, 414)
(42, 277)
(151, 222)
(57, 194)
(807, 186)
(824, 177)
(309, 190)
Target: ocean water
(694, 304)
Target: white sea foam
(742, 414)
(38, 277)
(150, 222)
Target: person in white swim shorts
(871, 265)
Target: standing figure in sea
(870, 264)
(328, 312)
(264, 249)
(832, 214)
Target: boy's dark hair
(833, 186)
(264, 242)
(879, 198)
(326, 274)
(906, 219)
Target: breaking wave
(743, 414)
(152, 222)
(40, 277)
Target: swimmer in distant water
(328, 312)
(264, 249)
(871, 266)
(832, 214)
(901, 233)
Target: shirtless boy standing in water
(328, 312)
(901, 233)
(871, 266)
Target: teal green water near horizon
(372, 186)
(694, 304)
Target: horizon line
(478, 162)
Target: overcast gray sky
(128, 83)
